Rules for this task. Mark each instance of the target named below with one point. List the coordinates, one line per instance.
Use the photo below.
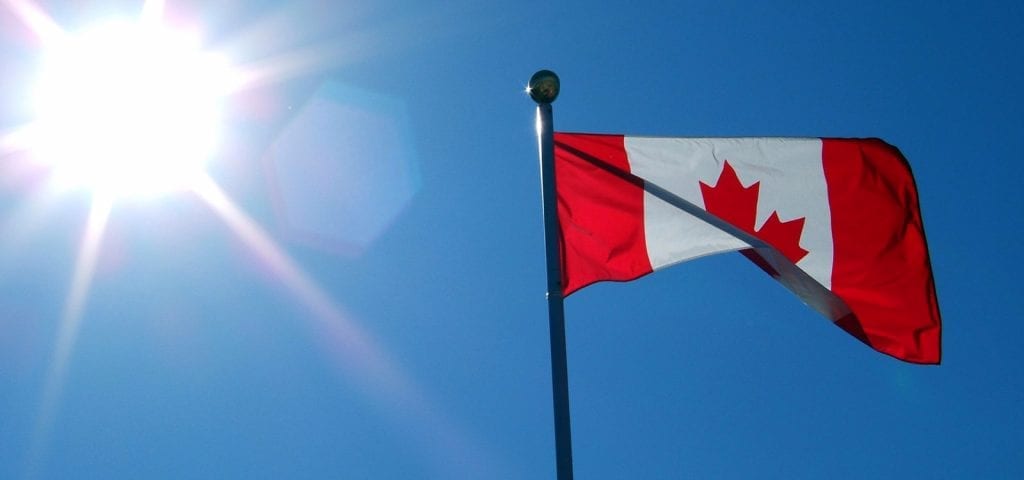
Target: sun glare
(134, 108)
(128, 108)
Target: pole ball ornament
(544, 86)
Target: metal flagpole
(544, 88)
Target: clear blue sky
(398, 174)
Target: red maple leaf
(736, 204)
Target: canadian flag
(835, 220)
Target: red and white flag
(835, 220)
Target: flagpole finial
(544, 87)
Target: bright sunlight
(128, 109)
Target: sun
(128, 108)
(134, 108)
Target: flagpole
(544, 88)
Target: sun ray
(364, 357)
(17, 139)
(71, 318)
(304, 58)
(18, 166)
(294, 64)
(37, 20)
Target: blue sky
(397, 327)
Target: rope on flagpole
(543, 89)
